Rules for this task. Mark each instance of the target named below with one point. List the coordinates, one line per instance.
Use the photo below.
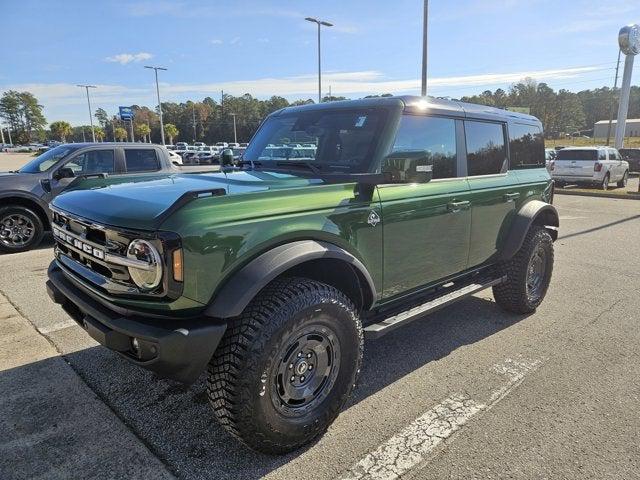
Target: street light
(87, 87)
(159, 104)
(326, 24)
(235, 135)
(425, 22)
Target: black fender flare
(8, 194)
(534, 211)
(245, 284)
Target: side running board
(378, 329)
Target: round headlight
(149, 274)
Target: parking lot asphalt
(468, 392)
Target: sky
(265, 48)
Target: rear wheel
(20, 229)
(287, 365)
(528, 273)
(625, 178)
(605, 182)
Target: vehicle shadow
(177, 424)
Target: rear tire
(20, 229)
(625, 178)
(528, 273)
(263, 383)
(605, 183)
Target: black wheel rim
(536, 273)
(16, 230)
(306, 371)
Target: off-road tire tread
(511, 294)
(249, 333)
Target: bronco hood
(140, 202)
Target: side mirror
(412, 166)
(64, 172)
(226, 158)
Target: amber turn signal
(177, 265)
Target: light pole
(159, 104)
(425, 23)
(235, 134)
(93, 133)
(326, 24)
(629, 42)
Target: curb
(627, 196)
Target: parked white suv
(592, 165)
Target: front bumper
(179, 349)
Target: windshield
(343, 140)
(48, 159)
(589, 155)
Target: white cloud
(263, 40)
(216, 41)
(235, 41)
(68, 102)
(124, 58)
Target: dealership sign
(126, 113)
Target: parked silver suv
(599, 166)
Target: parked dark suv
(25, 194)
(631, 155)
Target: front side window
(435, 135)
(93, 162)
(48, 159)
(527, 146)
(486, 149)
(141, 160)
(338, 140)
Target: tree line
(212, 120)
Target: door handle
(510, 197)
(457, 206)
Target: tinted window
(590, 155)
(437, 136)
(344, 140)
(88, 163)
(141, 160)
(486, 151)
(630, 153)
(527, 146)
(602, 154)
(614, 155)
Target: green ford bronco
(342, 222)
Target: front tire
(528, 274)
(625, 178)
(287, 365)
(20, 229)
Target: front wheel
(287, 365)
(625, 178)
(20, 229)
(528, 273)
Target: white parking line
(411, 446)
(57, 326)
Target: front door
(426, 226)
(101, 160)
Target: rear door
(494, 189)
(576, 163)
(140, 160)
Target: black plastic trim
(523, 220)
(176, 349)
(245, 284)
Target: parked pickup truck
(26, 193)
(596, 166)
(271, 275)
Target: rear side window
(141, 160)
(89, 163)
(486, 149)
(590, 155)
(602, 155)
(435, 135)
(526, 146)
